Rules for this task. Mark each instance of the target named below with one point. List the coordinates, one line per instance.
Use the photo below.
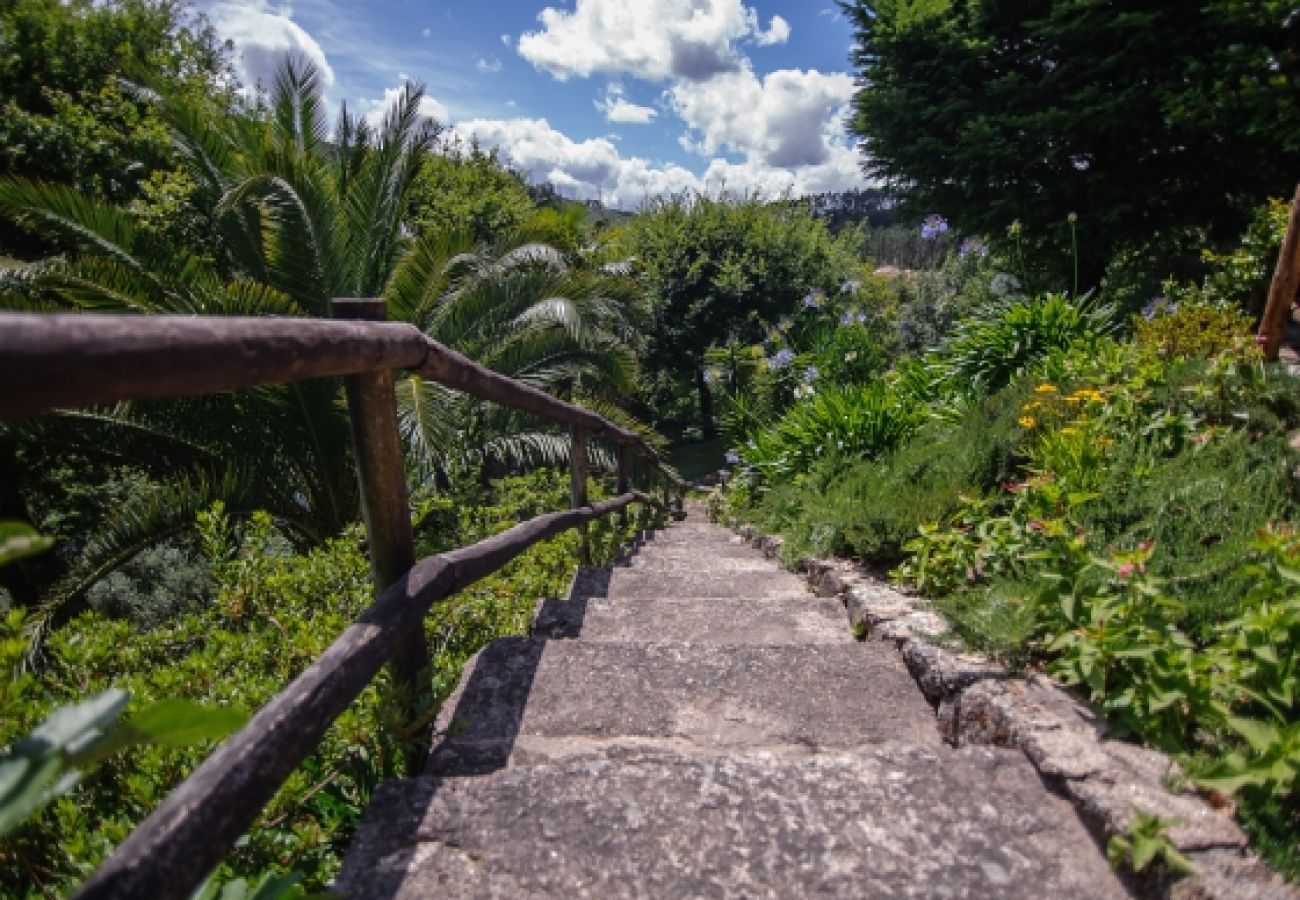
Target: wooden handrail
(60, 360)
(51, 361)
(175, 848)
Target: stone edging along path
(978, 702)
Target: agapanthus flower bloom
(732, 457)
(933, 227)
(780, 359)
(710, 376)
(810, 374)
(973, 245)
(812, 300)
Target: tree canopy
(66, 114)
(716, 269)
(1142, 117)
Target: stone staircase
(694, 723)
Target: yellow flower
(1027, 421)
(1069, 430)
(1029, 407)
(1045, 389)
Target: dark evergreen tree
(1143, 117)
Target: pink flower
(1126, 570)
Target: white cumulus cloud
(780, 120)
(591, 169)
(649, 39)
(595, 169)
(375, 110)
(263, 39)
(617, 108)
(777, 33)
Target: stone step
(796, 619)
(692, 560)
(529, 693)
(890, 822)
(647, 583)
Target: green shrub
(847, 423)
(1005, 340)
(1191, 329)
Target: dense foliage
(716, 269)
(1147, 119)
(272, 612)
(1121, 511)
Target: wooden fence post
(381, 476)
(621, 479)
(578, 484)
(1286, 278)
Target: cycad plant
(300, 219)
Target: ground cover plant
(1121, 513)
(273, 610)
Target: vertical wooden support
(621, 480)
(578, 484)
(381, 476)
(1282, 292)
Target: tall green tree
(300, 219)
(65, 115)
(1142, 117)
(720, 269)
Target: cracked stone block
(1231, 875)
(943, 673)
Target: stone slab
(894, 822)
(708, 697)
(768, 621)
(632, 583)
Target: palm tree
(301, 219)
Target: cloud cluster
(263, 39)
(779, 133)
(586, 170)
(648, 39)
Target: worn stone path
(694, 723)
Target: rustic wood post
(381, 476)
(578, 484)
(1286, 278)
(621, 479)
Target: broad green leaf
(28, 791)
(1260, 735)
(74, 728)
(18, 540)
(178, 723)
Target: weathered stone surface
(896, 822)
(771, 621)
(1106, 780)
(941, 674)
(842, 696)
(887, 614)
(1231, 875)
(629, 583)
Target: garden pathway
(693, 722)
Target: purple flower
(732, 457)
(780, 359)
(973, 245)
(709, 377)
(810, 374)
(812, 300)
(933, 226)
(1158, 306)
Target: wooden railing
(52, 361)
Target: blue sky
(619, 100)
